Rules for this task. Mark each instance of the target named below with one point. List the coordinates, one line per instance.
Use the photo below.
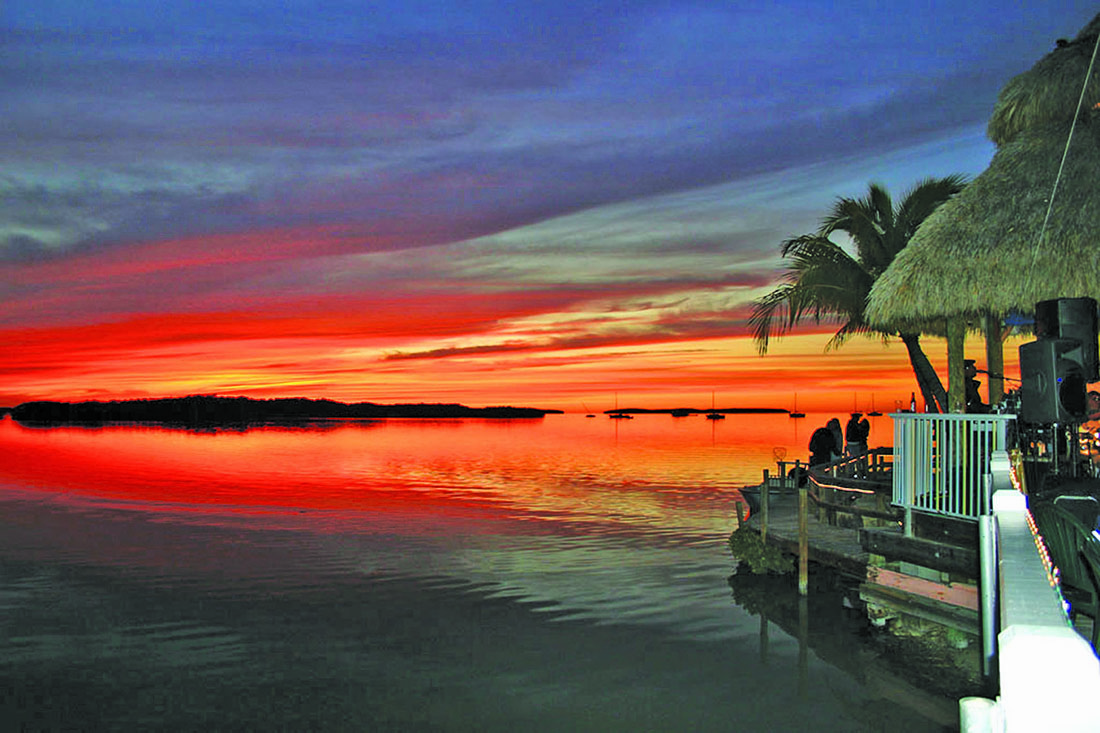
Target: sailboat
(714, 414)
(795, 412)
(619, 415)
(873, 412)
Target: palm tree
(824, 282)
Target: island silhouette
(208, 409)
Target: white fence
(1048, 674)
(941, 461)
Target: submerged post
(764, 509)
(803, 541)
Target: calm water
(558, 574)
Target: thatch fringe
(980, 252)
(1048, 93)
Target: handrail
(940, 462)
(872, 465)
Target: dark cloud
(417, 127)
(22, 248)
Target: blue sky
(192, 160)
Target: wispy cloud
(439, 182)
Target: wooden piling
(764, 509)
(803, 541)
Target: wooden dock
(920, 569)
(830, 545)
(905, 582)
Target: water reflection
(454, 575)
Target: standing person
(838, 437)
(822, 446)
(852, 435)
(974, 402)
(864, 435)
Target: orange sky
(563, 314)
(545, 217)
(291, 355)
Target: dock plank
(836, 547)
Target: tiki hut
(1000, 246)
(982, 251)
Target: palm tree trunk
(931, 388)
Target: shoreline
(211, 410)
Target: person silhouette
(823, 447)
(974, 402)
(853, 436)
(838, 437)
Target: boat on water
(619, 415)
(778, 486)
(714, 414)
(795, 412)
(873, 412)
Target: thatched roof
(1048, 92)
(980, 251)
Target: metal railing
(940, 462)
(875, 465)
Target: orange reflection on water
(561, 465)
(282, 467)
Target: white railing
(940, 462)
(1048, 674)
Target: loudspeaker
(1053, 383)
(1071, 318)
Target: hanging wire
(1062, 165)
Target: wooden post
(803, 541)
(956, 375)
(764, 509)
(994, 359)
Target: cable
(1062, 165)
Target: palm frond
(924, 198)
(868, 222)
(881, 204)
(847, 331)
(824, 282)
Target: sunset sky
(548, 204)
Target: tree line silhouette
(206, 409)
